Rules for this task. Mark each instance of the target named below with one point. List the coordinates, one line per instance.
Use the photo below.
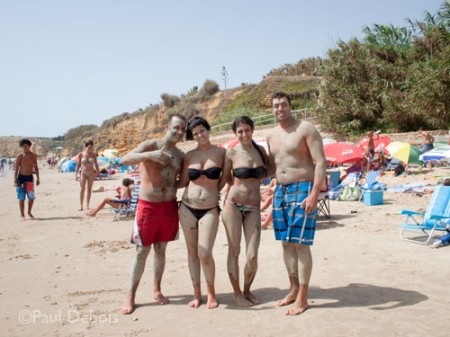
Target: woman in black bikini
(246, 163)
(87, 161)
(199, 208)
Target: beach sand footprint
(103, 247)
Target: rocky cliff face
(9, 146)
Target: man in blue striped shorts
(297, 159)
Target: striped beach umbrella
(404, 152)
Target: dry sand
(66, 274)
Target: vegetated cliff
(124, 132)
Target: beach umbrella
(380, 143)
(234, 142)
(62, 161)
(231, 143)
(111, 154)
(436, 154)
(339, 153)
(103, 163)
(404, 152)
(328, 141)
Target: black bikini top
(246, 173)
(211, 173)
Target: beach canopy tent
(69, 166)
(340, 153)
(435, 218)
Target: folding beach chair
(434, 219)
(323, 204)
(128, 209)
(371, 182)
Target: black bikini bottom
(199, 212)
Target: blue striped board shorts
(290, 223)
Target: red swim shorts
(157, 221)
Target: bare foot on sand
(241, 301)
(212, 302)
(159, 297)
(80, 209)
(91, 214)
(31, 216)
(22, 217)
(290, 298)
(297, 309)
(195, 303)
(129, 305)
(251, 298)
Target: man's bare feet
(80, 209)
(31, 216)
(241, 301)
(159, 297)
(195, 303)
(22, 217)
(129, 305)
(297, 309)
(251, 298)
(212, 302)
(91, 214)
(290, 298)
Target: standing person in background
(297, 158)
(371, 147)
(241, 210)
(26, 165)
(156, 220)
(427, 144)
(87, 161)
(199, 208)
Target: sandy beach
(66, 274)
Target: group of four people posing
(296, 159)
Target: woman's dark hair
(127, 182)
(242, 120)
(89, 142)
(196, 121)
(24, 141)
(247, 120)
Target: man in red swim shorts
(156, 224)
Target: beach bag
(343, 195)
(399, 170)
(350, 193)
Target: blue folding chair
(371, 182)
(434, 218)
(128, 209)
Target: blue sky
(75, 62)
